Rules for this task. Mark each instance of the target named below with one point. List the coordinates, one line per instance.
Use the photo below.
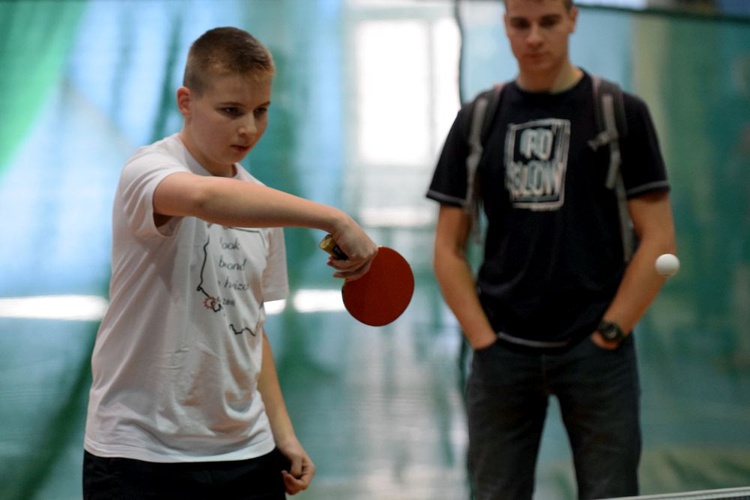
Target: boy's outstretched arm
(231, 202)
(301, 468)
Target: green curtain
(35, 38)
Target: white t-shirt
(178, 354)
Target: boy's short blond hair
(223, 51)
(568, 4)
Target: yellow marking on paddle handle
(332, 248)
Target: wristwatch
(611, 331)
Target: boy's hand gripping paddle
(383, 293)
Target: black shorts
(123, 478)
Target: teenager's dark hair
(223, 51)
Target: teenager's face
(539, 31)
(224, 123)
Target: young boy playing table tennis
(185, 400)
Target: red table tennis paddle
(383, 293)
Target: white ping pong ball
(667, 264)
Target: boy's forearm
(230, 202)
(244, 204)
(455, 276)
(458, 287)
(273, 399)
(640, 285)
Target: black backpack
(610, 114)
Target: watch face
(611, 331)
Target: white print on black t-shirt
(536, 160)
(230, 273)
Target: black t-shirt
(553, 254)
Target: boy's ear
(573, 18)
(184, 100)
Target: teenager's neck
(563, 80)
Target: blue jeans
(599, 396)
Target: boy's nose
(248, 127)
(535, 37)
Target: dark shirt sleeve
(448, 184)
(643, 169)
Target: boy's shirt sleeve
(643, 168)
(448, 185)
(138, 181)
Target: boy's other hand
(301, 468)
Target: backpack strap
(482, 113)
(610, 116)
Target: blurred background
(365, 93)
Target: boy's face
(539, 31)
(224, 123)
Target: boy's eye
(260, 112)
(548, 22)
(232, 111)
(525, 24)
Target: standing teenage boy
(552, 309)
(185, 401)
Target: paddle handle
(332, 248)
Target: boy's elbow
(445, 257)
(181, 195)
